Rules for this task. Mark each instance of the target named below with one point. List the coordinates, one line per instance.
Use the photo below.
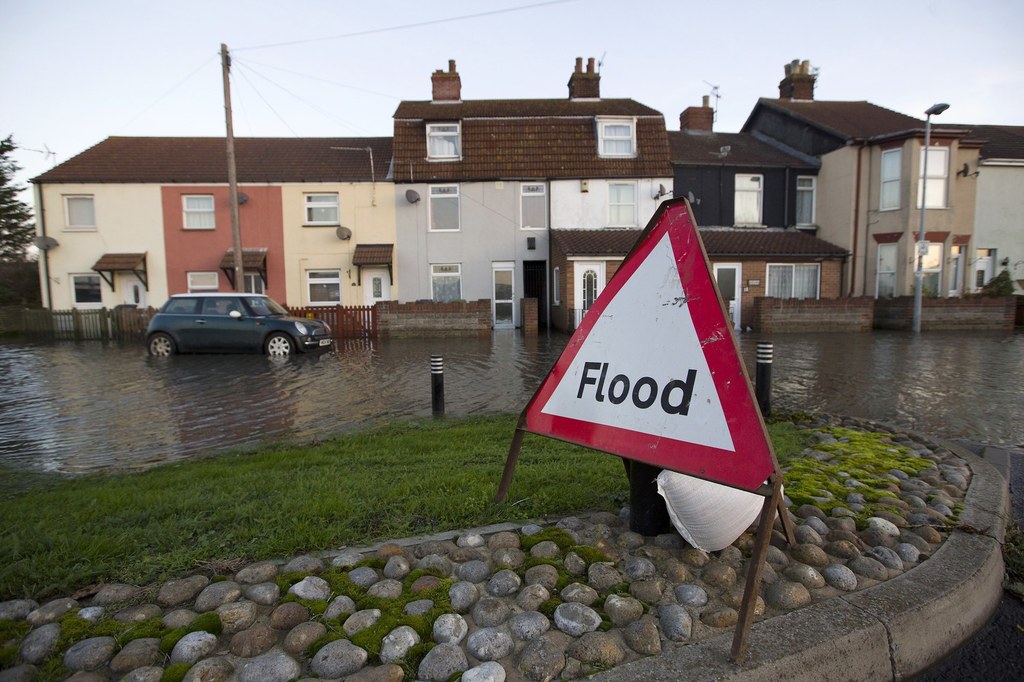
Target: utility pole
(236, 230)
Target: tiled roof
(594, 242)
(848, 120)
(372, 254)
(762, 242)
(117, 262)
(999, 142)
(204, 159)
(744, 150)
(509, 139)
(718, 242)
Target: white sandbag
(710, 516)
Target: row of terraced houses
(540, 198)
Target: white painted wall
(583, 204)
(999, 216)
(129, 219)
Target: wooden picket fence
(347, 322)
(123, 323)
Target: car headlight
(301, 327)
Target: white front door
(132, 291)
(984, 268)
(730, 279)
(588, 283)
(503, 303)
(376, 285)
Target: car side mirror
(235, 314)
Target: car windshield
(262, 306)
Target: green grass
(410, 478)
(60, 534)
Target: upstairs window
(933, 188)
(748, 199)
(616, 137)
(80, 212)
(890, 192)
(322, 209)
(535, 206)
(198, 212)
(444, 208)
(444, 141)
(622, 204)
(805, 190)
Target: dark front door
(535, 277)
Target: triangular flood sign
(653, 372)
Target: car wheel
(279, 345)
(162, 345)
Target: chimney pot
(451, 66)
(706, 101)
(579, 65)
(590, 65)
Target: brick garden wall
(429, 318)
(776, 315)
(974, 312)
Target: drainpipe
(856, 224)
(785, 203)
(46, 252)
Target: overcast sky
(75, 72)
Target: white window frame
(938, 176)
(444, 132)
(737, 191)
(309, 204)
(532, 189)
(879, 272)
(436, 274)
(92, 276)
(556, 288)
(335, 278)
(251, 279)
(631, 219)
(813, 190)
(890, 182)
(436, 194)
(603, 138)
(196, 283)
(83, 227)
(199, 214)
(792, 279)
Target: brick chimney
(799, 81)
(585, 85)
(447, 87)
(698, 120)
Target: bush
(1000, 285)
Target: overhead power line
(402, 27)
(168, 92)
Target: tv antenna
(716, 95)
(601, 60)
(47, 154)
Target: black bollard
(437, 384)
(763, 385)
(648, 514)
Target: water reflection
(88, 407)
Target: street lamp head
(936, 109)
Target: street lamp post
(933, 110)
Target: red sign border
(754, 460)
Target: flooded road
(89, 407)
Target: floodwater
(86, 407)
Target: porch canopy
(253, 260)
(372, 254)
(109, 263)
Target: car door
(217, 330)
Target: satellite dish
(343, 233)
(412, 196)
(45, 243)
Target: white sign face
(642, 366)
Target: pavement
(892, 630)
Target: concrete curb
(890, 631)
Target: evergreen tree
(16, 227)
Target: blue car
(232, 323)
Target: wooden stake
(772, 502)
(510, 462)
